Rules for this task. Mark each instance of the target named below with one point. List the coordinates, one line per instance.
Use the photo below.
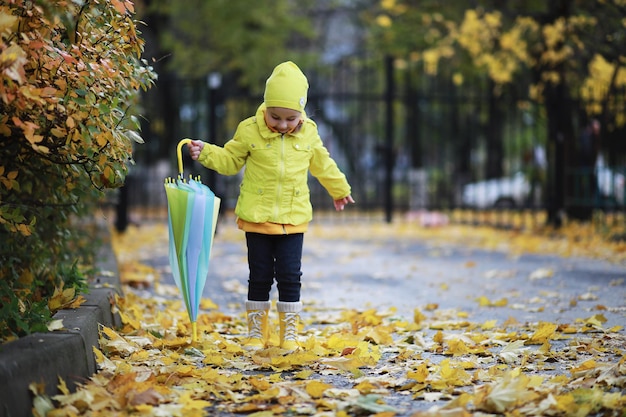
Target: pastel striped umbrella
(192, 217)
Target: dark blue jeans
(274, 257)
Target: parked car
(611, 185)
(507, 192)
(514, 191)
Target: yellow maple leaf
(63, 387)
(265, 396)
(503, 302)
(568, 329)
(77, 302)
(114, 343)
(566, 403)
(486, 302)
(483, 301)
(190, 403)
(61, 298)
(504, 393)
(368, 353)
(207, 304)
(304, 374)
(79, 399)
(104, 363)
(365, 387)
(276, 377)
(489, 324)
(595, 322)
(379, 335)
(256, 410)
(513, 351)
(316, 388)
(420, 374)
(536, 381)
(449, 375)
(128, 319)
(544, 332)
(418, 316)
(457, 347)
(583, 368)
(354, 360)
(260, 384)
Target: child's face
(282, 120)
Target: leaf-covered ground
(436, 362)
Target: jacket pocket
(301, 209)
(252, 204)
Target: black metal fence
(408, 142)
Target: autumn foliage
(69, 76)
(355, 359)
(579, 45)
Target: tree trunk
(561, 140)
(495, 139)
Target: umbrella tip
(194, 332)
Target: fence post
(214, 82)
(389, 133)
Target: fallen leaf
(513, 351)
(541, 273)
(55, 325)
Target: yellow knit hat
(286, 87)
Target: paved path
(408, 273)
(348, 267)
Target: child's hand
(195, 147)
(341, 203)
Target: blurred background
(510, 112)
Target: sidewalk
(67, 354)
(354, 266)
(466, 294)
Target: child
(278, 147)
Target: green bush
(70, 73)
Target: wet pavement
(346, 267)
(405, 273)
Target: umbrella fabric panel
(200, 241)
(192, 210)
(179, 204)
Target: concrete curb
(67, 354)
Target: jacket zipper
(281, 175)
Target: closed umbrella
(192, 216)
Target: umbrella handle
(179, 153)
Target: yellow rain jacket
(274, 195)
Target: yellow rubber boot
(258, 329)
(289, 317)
